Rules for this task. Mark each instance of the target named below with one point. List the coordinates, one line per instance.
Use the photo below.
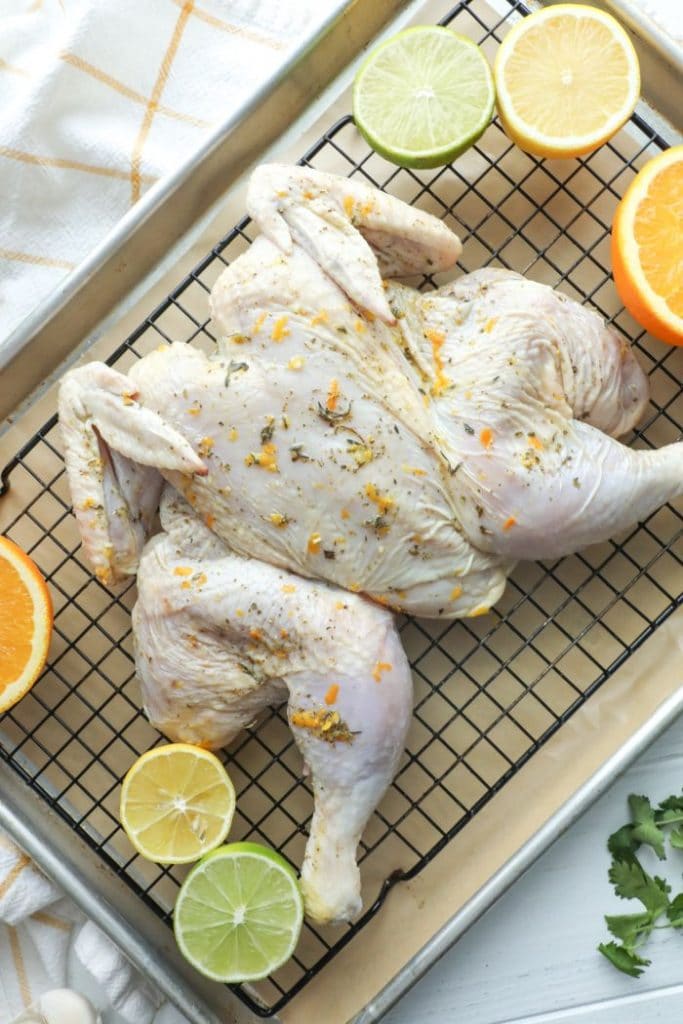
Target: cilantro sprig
(632, 882)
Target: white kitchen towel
(46, 943)
(99, 100)
(23, 889)
(96, 966)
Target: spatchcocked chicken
(353, 446)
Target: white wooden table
(532, 958)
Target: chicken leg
(533, 390)
(219, 637)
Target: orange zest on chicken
(266, 458)
(379, 669)
(441, 381)
(382, 501)
(332, 694)
(332, 395)
(258, 323)
(280, 330)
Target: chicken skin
(403, 447)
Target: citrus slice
(647, 247)
(424, 96)
(567, 78)
(177, 803)
(25, 623)
(239, 913)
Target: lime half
(239, 913)
(424, 96)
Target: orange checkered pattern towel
(46, 943)
(99, 100)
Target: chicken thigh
(219, 638)
(403, 446)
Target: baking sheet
(82, 720)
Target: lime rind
(424, 96)
(239, 913)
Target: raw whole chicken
(401, 449)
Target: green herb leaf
(672, 803)
(621, 843)
(668, 817)
(631, 882)
(663, 885)
(645, 828)
(623, 959)
(234, 367)
(676, 838)
(630, 928)
(675, 911)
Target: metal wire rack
(488, 691)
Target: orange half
(647, 247)
(25, 623)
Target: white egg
(60, 1006)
